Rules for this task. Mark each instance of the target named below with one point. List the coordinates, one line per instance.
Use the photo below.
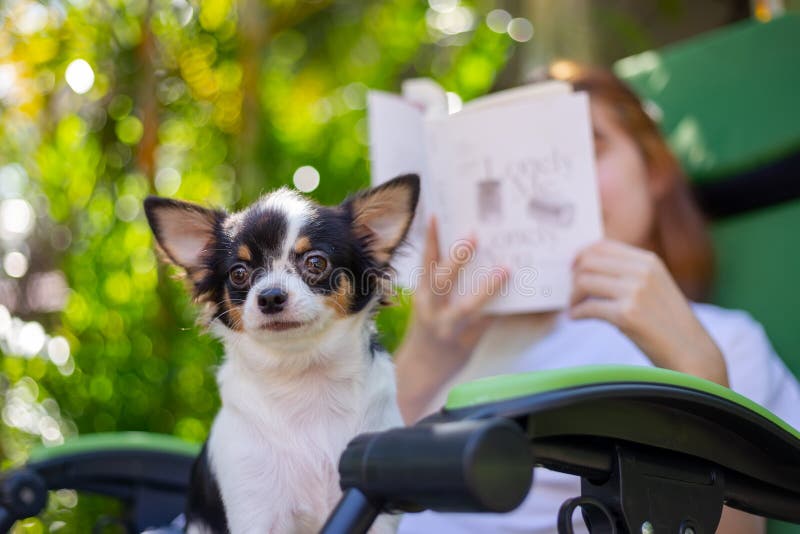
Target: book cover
(514, 169)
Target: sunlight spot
(168, 181)
(58, 350)
(15, 264)
(520, 29)
(16, 217)
(31, 338)
(443, 6)
(80, 76)
(498, 20)
(306, 178)
(32, 19)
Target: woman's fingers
(612, 248)
(460, 254)
(437, 301)
(596, 308)
(600, 264)
(442, 275)
(431, 287)
(610, 280)
(431, 251)
(592, 285)
(612, 257)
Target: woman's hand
(632, 289)
(445, 327)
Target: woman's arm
(737, 522)
(632, 289)
(443, 330)
(627, 286)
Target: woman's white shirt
(520, 344)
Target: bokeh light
(520, 29)
(129, 130)
(498, 20)
(443, 6)
(8, 79)
(458, 20)
(306, 178)
(79, 76)
(33, 18)
(15, 264)
(13, 178)
(5, 321)
(168, 181)
(31, 338)
(58, 350)
(16, 217)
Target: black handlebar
(461, 466)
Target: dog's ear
(184, 231)
(382, 215)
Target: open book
(514, 169)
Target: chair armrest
(574, 415)
(150, 473)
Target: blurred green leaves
(214, 101)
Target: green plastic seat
(654, 407)
(731, 110)
(650, 445)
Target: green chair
(730, 102)
(656, 450)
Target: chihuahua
(291, 288)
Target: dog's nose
(272, 300)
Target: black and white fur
(290, 287)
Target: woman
(630, 305)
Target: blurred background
(103, 102)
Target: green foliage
(214, 101)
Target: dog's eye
(316, 264)
(238, 275)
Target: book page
(526, 92)
(521, 179)
(427, 94)
(395, 136)
(397, 146)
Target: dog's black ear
(383, 214)
(184, 231)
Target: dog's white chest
(275, 479)
(280, 474)
(276, 457)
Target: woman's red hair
(679, 230)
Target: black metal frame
(646, 454)
(766, 185)
(454, 466)
(650, 492)
(152, 484)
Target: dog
(291, 288)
